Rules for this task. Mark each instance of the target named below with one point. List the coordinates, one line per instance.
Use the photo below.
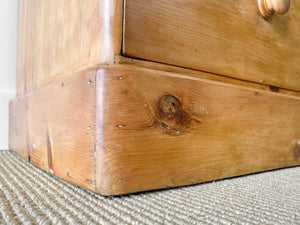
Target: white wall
(8, 59)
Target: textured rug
(31, 196)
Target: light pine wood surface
(55, 125)
(228, 38)
(159, 129)
(121, 60)
(153, 129)
(157, 94)
(58, 38)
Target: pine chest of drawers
(126, 96)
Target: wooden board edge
(123, 60)
(111, 34)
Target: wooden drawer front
(223, 37)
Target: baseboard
(124, 129)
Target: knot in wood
(171, 114)
(169, 106)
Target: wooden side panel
(228, 38)
(18, 126)
(58, 38)
(159, 129)
(60, 128)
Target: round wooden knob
(268, 7)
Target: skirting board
(124, 129)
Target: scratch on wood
(170, 128)
(68, 174)
(49, 152)
(88, 181)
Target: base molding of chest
(123, 129)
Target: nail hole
(89, 181)
(88, 127)
(256, 93)
(274, 89)
(120, 78)
(89, 82)
(120, 126)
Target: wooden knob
(268, 7)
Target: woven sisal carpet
(31, 196)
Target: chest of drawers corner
(126, 96)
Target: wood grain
(230, 39)
(154, 129)
(58, 38)
(121, 60)
(60, 130)
(159, 129)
